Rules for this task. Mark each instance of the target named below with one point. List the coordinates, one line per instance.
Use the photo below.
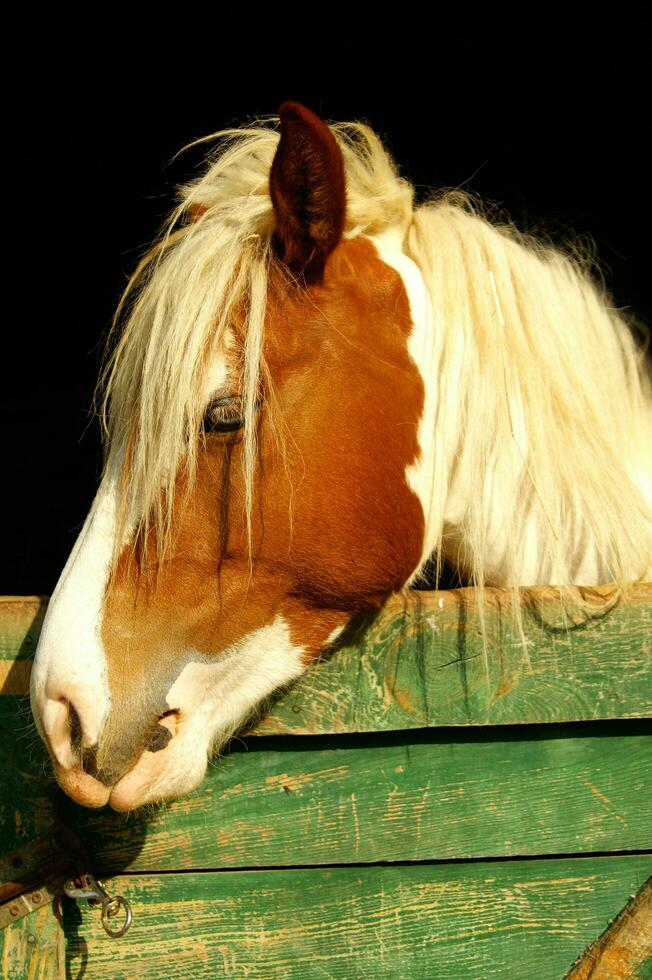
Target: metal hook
(86, 886)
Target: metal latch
(48, 867)
(85, 886)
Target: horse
(316, 388)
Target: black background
(555, 131)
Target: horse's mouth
(153, 778)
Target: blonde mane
(525, 333)
(544, 403)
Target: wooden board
(520, 920)
(413, 796)
(453, 796)
(27, 790)
(399, 796)
(422, 664)
(21, 618)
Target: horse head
(317, 386)
(262, 483)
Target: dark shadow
(354, 632)
(450, 577)
(34, 808)
(130, 829)
(68, 915)
(449, 735)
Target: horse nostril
(63, 730)
(162, 734)
(69, 727)
(75, 730)
(158, 739)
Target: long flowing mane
(542, 387)
(543, 397)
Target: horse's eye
(224, 414)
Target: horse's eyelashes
(225, 414)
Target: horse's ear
(307, 187)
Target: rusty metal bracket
(34, 874)
(37, 873)
(29, 901)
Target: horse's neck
(452, 475)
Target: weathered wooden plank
(34, 948)
(624, 950)
(27, 791)
(21, 618)
(522, 920)
(422, 664)
(443, 793)
(411, 797)
(435, 795)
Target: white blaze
(425, 350)
(70, 665)
(213, 700)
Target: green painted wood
(427, 795)
(431, 795)
(644, 971)
(21, 618)
(522, 920)
(34, 948)
(27, 791)
(421, 664)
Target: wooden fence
(428, 801)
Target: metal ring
(111, 909)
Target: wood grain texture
(421, 664)
(427, 795)
(27, 789)
(412, 797)
(21, 618)
(521, 920)
(34, 948)
(405, 796)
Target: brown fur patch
(335, 526)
